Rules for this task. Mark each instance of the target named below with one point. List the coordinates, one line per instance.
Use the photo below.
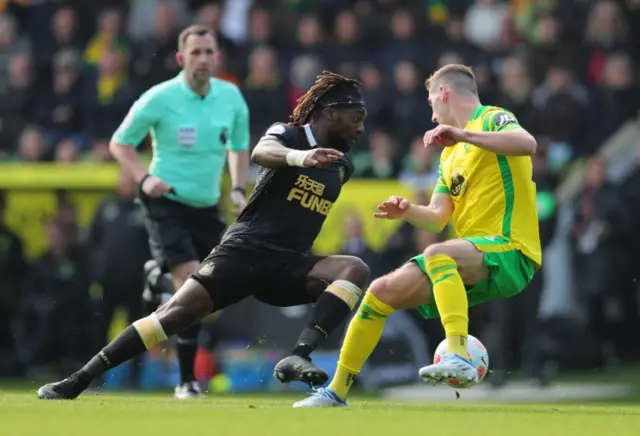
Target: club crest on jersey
(459, 181)
(206, 269)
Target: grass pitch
(21, 414)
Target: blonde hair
(457, 76)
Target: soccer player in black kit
(265, 253)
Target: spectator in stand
(560, 106)
(377, 92)
(381, 160)
(63, 36)
(309, 40)
(485, 24)
(600, 227)
(31, 145)
(109, 95)
(11, 44)
(403, 43)
(616, 97)
(409, 103)
(154, 56)
(347, 50)
(304, 70)
(514, 89)
(606, 32)
(107, 39)
(261, 34)
(17, 100)
(60, 109)
(264, 90)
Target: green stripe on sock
(444, 277)
(365, 312)
(440, 269)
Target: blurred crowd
(69, 71)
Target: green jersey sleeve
(142, 116)
(500, 121)
(441, 184)
(240, 133)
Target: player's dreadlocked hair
(309, 102)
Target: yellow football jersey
(494, 195)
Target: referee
(194, 121)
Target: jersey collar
(477, 112)
(310, 138)
(187, 89)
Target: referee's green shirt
(190, 135)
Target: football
(479, 358)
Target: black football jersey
(289, 204)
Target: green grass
(21, 414)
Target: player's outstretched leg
(348, 275)
(404, 288)
(443, 264)
(190, 304)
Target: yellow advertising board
(32, 193)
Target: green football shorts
(510, 272)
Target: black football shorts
(232, 273)
(179, 233)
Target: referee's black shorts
(232, 273)
(179, 233)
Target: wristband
(296, 158)
(145, 177)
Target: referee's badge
(187, 136)
(206, 269)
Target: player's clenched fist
(392, 209)
(321, 157)
(153, 187)
(444, 136)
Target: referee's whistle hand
(155, 187)
(238, 200)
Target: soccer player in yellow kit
(485, 185)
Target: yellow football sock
(451, 299)
(362, 336)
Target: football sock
(451, 298)
(331, 309)
(135, 339)
(162, 283)
(362, 336)
(186, 349)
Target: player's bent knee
(402, 288)
(356, 271)
(386, 290)
(435, 250)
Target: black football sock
(186, 348)
(161, 283)
(127, 345)
(328, 313)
